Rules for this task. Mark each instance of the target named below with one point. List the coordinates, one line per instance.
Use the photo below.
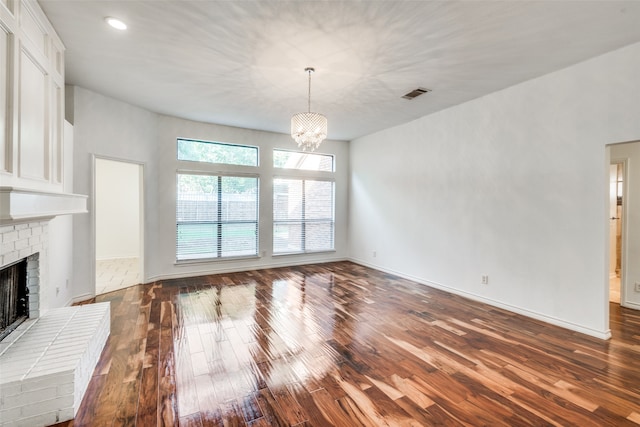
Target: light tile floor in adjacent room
(114, 274)
(614, 290)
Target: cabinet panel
(8, 5)
(33, 147)
(57, 57)
(57, 109)
(5, 152)
(30, 27)
(31, 98)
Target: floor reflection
(238, 338)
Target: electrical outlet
(637, 286)
(57, 290)
(375, 254)
(485, 280)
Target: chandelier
(309, 129)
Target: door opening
(616, 201)
(118, 225)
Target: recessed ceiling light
(115, 23)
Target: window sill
(184, 262)
(304, 253)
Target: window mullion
(219, 240)
(304, 218)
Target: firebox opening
(14, 297)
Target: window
(302, 161)
(303, 215)
(217, 152)
(217, 216)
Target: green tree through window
(217, 152)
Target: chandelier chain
(308, 129)
(309, 92)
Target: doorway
(118, 224)
(616, 201)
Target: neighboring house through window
(303, 203)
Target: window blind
(216, 216)
(303, 215)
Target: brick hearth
(47, 364)
(48, 360)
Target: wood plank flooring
(340, 344)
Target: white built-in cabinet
(31, 98)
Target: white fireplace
(24, 233)
(48, 360)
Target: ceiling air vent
(416, 93)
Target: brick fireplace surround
(27, 241)
(48, 360)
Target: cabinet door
(5, 147)
(33, 151)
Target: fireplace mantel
(21, 205)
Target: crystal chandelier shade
(309, 129)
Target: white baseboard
(79, 298)
(632, 305)
(116, 257)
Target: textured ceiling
(241, 63)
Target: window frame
(218, 222)
(294, 170)
(207, 163)
(217, 170)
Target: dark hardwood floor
(341, 344)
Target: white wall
(109, 128)
(513, 185)
(631, 221)
(117, 210)
(60, 290)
